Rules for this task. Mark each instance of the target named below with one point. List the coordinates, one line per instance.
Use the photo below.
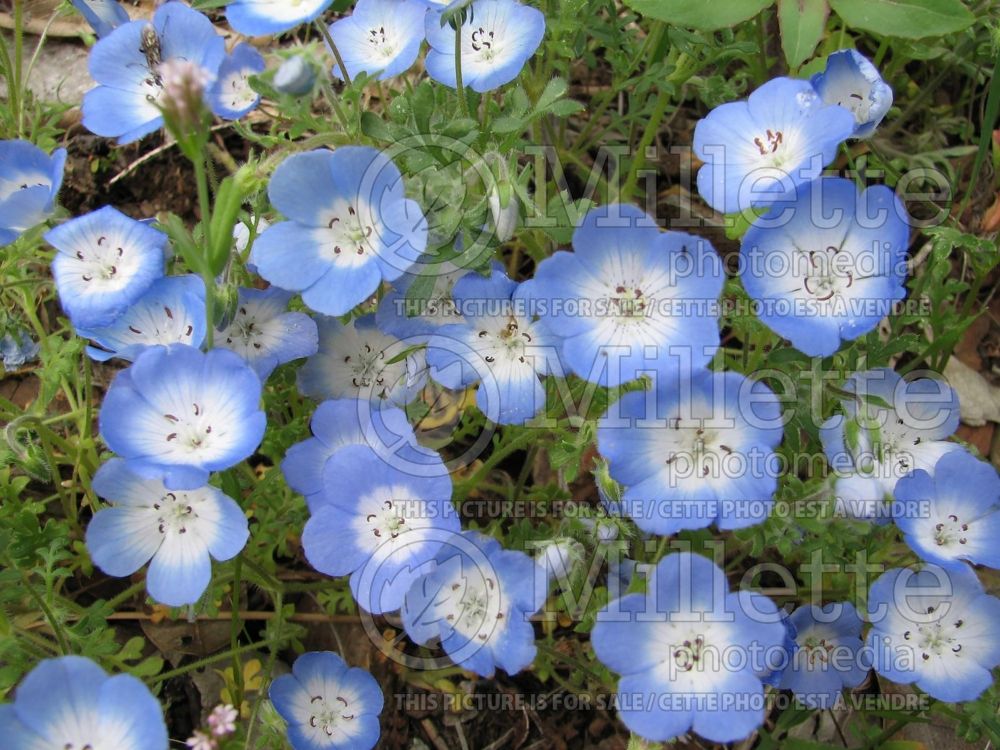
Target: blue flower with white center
(265, 334)
(377, 524)
(106, 262)
(851, 81)
(497, 345)
(179, 530)
(891, 428)
(231, 96)
(695, 455)
(261, 17)
(404, 318)
(498, 38)
(381, 37)
(29, 182)
(350, 227)
(935, 628)
(630, 299)
(759, 150)
(359, 361)
(17, 349)
(477, 600)
(177, 414)
(104, 16)
(126, 65)
(821, 280)
(954, 515)
(827, 657)
(70, 702)
(328, 705)
(335, 424)
(295, 76)
(172, 311)
(690, 653)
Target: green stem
(336, 52)
(115, 601)
(18, 62)
(221, 656)
(498, 455)
(205, 206)
(463, 103)
(44, 607)
(234, 630)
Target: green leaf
(909, 19)
(802, 23)
(706, 16)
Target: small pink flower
(200, 741)
(222, 720)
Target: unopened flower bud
(505, 217)
(295, 76)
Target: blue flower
(829, 266)
(327, 705)
(630, 299)
(851, 81)
(178, 530)
(936, 628)
(691, 654)
(351, 227)
(29, 183)
(178, 414)
(335, 424)
(891, 428)
(17, 349)
(261, 17)
(356, 361)
(126, 65)
(104, 16)
(954, 515)
(378, 524)
(404, 318)
(72, 702)
(828, 655)
(265, 334)
(106, 262)
(172, 311)
(695, 455)
(381, 37)
(757, 151)
(497, 345)
(230, 96)
(477, 600)
(295, 76)
(498, 38)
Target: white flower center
(380, 42)
(368, 368)
(696, 451)
(936, 639)
(245, 331)
(507, 342)
(330, 716)
(389, 522)
(190, 432)
(950, 531)
(485, 43)
(175, 513)
(348, 238)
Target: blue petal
(264, 17)
(68, 684)
(104, 16)
(330, 542)
(122, 540)
(231, 96)
(303, 186)
(340, 290)
(180, 571)
(128, 710)
(739, 711)
(648, 705)
(226, 530)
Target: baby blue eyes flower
(630, 299)
(106, 261)
(497, 345)
(327, 705)
(260, 17)
(16, 350)
(104, 16)
(477, 600)
(29, 182)
(70, 702)
(381, 37)
(953, 516)
(891, 428)
(126, 65)
(695, 455)
(936, 628)
(498, 38)
(178, 530)
(851, 81)
(827, 657)
(359, 361)
(350, 227)
(265, 334)
(384, 429)
(758, 150)
(377, 524)
(411, 318)
(231, 96)
(690, 652)
(172, 311)
(178, 414)
(829, 266)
